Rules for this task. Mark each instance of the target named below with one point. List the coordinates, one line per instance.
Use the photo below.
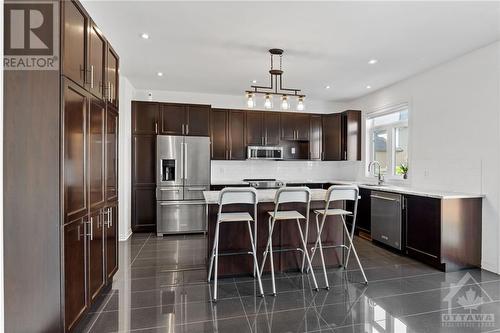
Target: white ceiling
(220, 47)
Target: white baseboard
(126, 236)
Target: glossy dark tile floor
(161, 287)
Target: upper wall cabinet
(263, 128)
(74, 42)
(97, 61)
(145, 117)
(182, 119)
(295, 126)
(342, 136)
(112, 77)
(315, 137)
(227, 134)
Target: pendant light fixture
(275, 87)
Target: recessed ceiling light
(368, 87)
(144, 35)
(159, 74)
(327, 87)
(372, 61)
(254, 81)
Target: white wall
(231, 101)
(454, 132)
(124, 158)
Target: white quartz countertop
(212, 197)
(386, 187)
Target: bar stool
(288, 195)
(338, 193)
(228, 196)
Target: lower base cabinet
(144, 209)
(90, 260)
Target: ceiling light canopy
(275, 87)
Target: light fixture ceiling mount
(276, 85)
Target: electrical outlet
(293, 151)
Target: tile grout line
(243, 306)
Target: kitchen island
(234, 236)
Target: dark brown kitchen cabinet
(236, 130)
(111, 240)
(315, 138)
(145, 117)
(423, 226)
(75, 108)
(262, 128)
(75, 297)
(74, 44)
(351, 135)
(111, 162)
(332, 137)
(295, 127)
(363, 219)
(96, 150)
(143, 160)
(112, 90)
(219, 134)
(197, 120)
(183, 119)
(97, 61)
(95, 256)
(144, 209)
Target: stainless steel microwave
(264, 153)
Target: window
(387, 135)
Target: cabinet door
(218, 134)
(198, 120)
(255, 133)
(423, 226)
(113, 81)
(74, 272)
(111, 155)
(75, 151)
(332, 137)
(144, 160)
(97, 120)
(111, 234)
(97, 61)
(272, 128)
(144, 209)
(363, 220)
(74, 42)
(95, 254)
(351, 125)
(237, 147)
(173, 119)
(315, 143)
(301, 127)
(145, 117)
(288, 127)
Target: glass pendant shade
(285, 105)
(300, 104)
(250, 100)
(268, 103)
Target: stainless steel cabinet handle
(110, 217)
(382, 198)
(196, 188)
(91, 222)
(92, 76)
(156, 127)
(187, 129)
(170, 189)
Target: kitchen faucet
(380, 176)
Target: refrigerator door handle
(185, 161)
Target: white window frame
(391, 133)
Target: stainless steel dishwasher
(386, 218)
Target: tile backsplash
(285, 170)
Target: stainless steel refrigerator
(182, 174)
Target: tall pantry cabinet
(89, 162)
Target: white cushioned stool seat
(333, 211)
(286, 215)
(233, 217)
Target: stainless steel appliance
(386, 218)
(264, 183)
(182, 174)
(264, 153)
